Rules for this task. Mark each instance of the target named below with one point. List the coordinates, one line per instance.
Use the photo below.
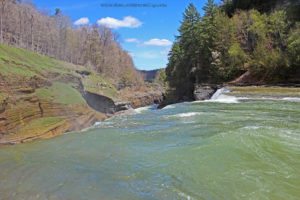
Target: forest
(256, 40)
(25, 26)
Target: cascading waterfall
(220, 97)
(219, 92)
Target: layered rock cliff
(41, 97)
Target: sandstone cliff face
(141, 99)
(27, 112)
(41, 97)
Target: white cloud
(82, 21)
(132, 40)
(127, 22)
(158, 42)
(165, 51)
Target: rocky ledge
(30, 117)
(201, 92)
(204, 91)
(41, 97)
(141, 99)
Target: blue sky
(147, 33)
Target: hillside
(95, 46)
(240, 42)
(41, 97)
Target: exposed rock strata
(141, 99)
(204, 92)
(201, 92)
(41, 97)
(23, 108)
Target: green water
(230, 148)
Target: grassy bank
(41, 96)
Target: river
(229, 147)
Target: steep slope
(41, 97)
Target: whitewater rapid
(215, 149)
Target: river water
(225, 148)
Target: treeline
(291, 6)
(97, 47)
(230, 40)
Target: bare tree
(2, 4)
(24, 26)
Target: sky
(147, 28)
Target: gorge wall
(41, 97)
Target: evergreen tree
(183, 58)
(219, 48)
(174, 67)
(208, 33)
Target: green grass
(12, 68)
(60, 93)
(96, 83)
(36, 127)
(3, 96)
(18, 63)
(39, 125)
(22, 62)
(18, 66)
(45, 121)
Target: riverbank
(232, 147)
(206, 91)
(41, 97)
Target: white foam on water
(189, 114)
(222, 98)
(293, 99)
(252, 127)
(98, 123)
(169, 107)
(185, 196)
(103, 123)
(139, 110)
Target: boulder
(121, 106)
(204, 92)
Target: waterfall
(220, 97)
(218, 93)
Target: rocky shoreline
(104, 107)
(41, 97)
(206, 91)
(201, 92)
